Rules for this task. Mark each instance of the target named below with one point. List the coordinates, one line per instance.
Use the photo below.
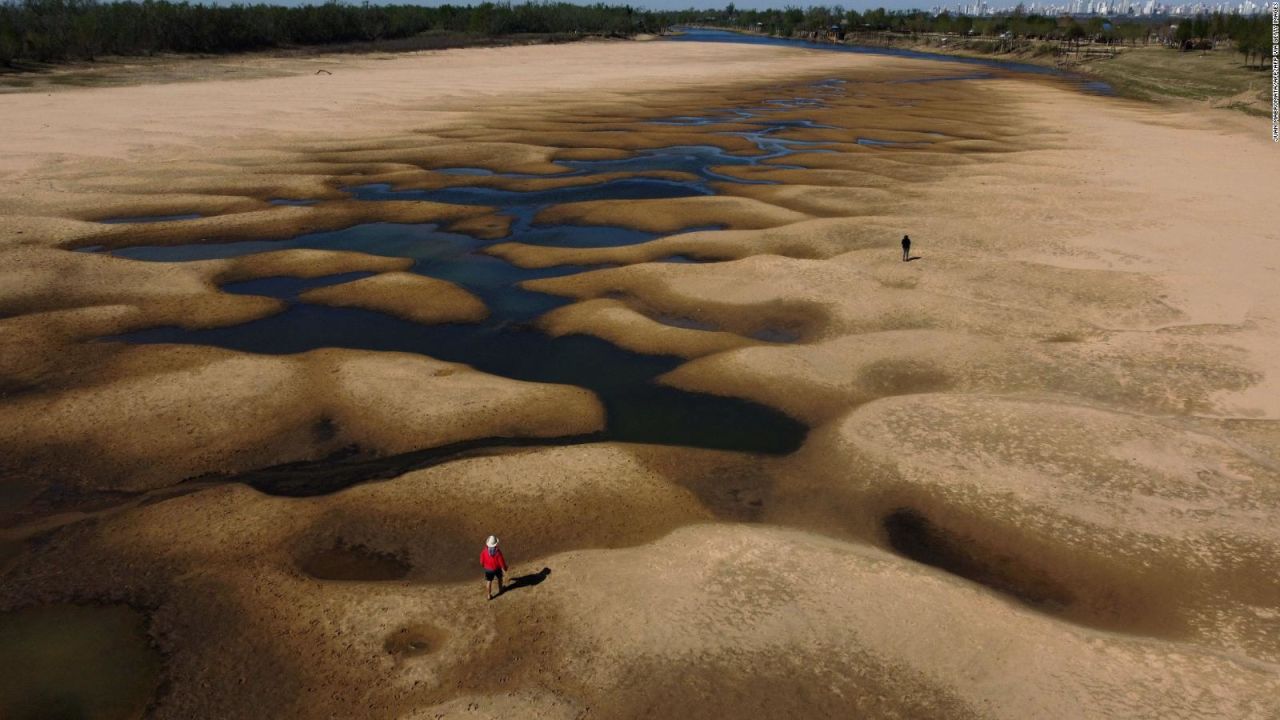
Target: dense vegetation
(60, 30)
(1249, 35)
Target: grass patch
(1154, 73)
(1144, 72)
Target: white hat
(491, 542)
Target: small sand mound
(413, 297)
(614, 321)
(673, 214)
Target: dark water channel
(1083, 83)
(507, 343)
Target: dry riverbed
(1042, 467)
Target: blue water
(436, 253)
(508, 343)
(704, 35)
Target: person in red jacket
(493, 563)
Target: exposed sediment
(614, 321)
(243, 557)
(822, 238)
(413, 297)
(1041, 476)
(1109, 519)
(156, 415)
(672, 215)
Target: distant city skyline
(1139, 8)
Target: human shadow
(914, 257)
(525, 581)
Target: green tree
(9, 47)
(1093, 26)
(1245, 46)
(1074, 34)
(1199, 27)
(1184, 33)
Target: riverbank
(1037, 471)
(1154, 73)
(1216, 78)
(175, 68)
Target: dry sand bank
(412, 297)
(726, 616)
(1042, 476)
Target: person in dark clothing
(493, 563)
(906, 248)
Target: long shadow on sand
(529, 580)
(309, 478)
(917, 537)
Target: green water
(65, 662)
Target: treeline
(51, 31)
(1248, 34)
